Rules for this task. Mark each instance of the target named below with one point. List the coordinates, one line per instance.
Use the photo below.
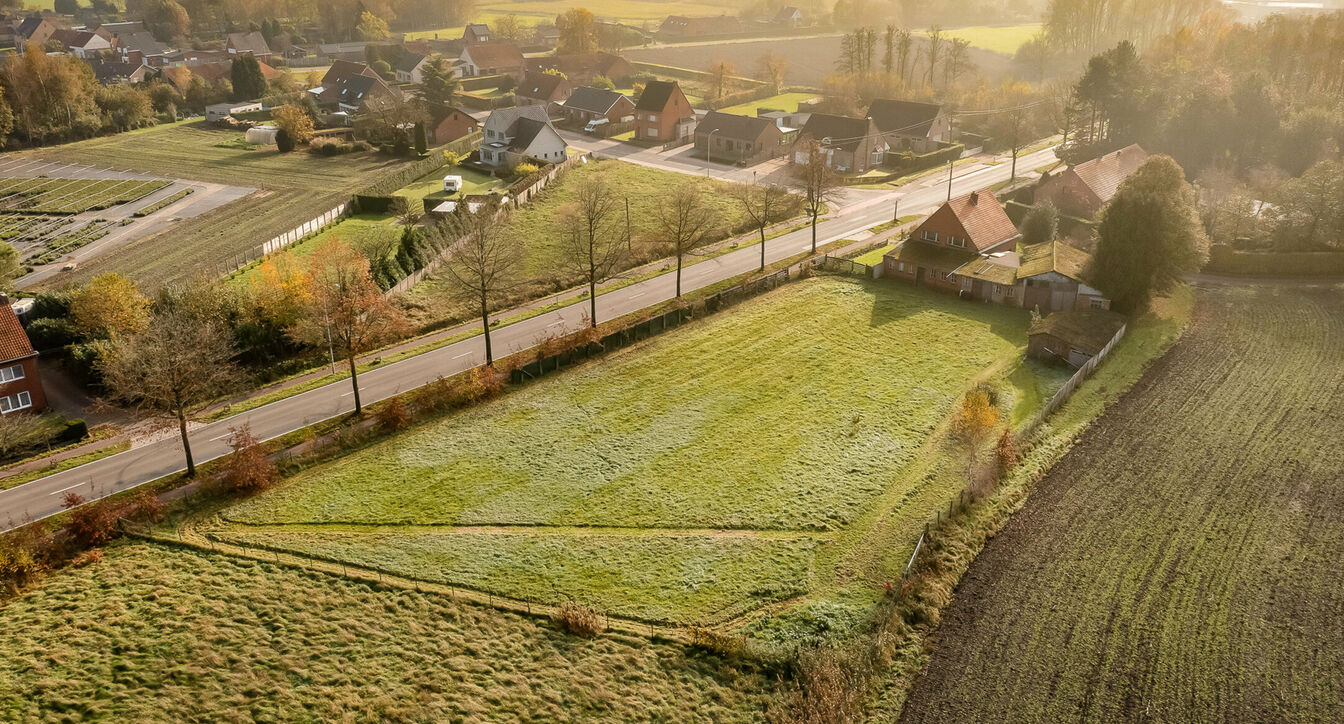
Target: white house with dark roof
(912, 126)
(410, 67)
(513, 134)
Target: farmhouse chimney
(975, 197)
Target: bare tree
(484, 263)
(686, 222)
(1018, 123)
(594, 245)
(771, 67)
(761, 204)
(720, 72)
(175, 366)
(820, 186)
(344, 307)
(934, 46)
(957, 60)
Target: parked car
(595, 124)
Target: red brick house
(1084, 189)
(449, 124)
(957, 233)
(20, 385)
(663, 114)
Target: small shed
(220, 111)
(262, 135)
(1072, 337)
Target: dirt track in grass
(1182, 563)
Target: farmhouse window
(1008, 292)
(9, 374)
(14, 403)
(900, 266)
(1095, 303)
(930, 235)
(956, 241)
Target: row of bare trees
(179, 356)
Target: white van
(452, 184)
(595, 124)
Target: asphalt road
(42, 497)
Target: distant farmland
(1182, 562)
(810, 60)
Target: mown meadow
(765, 432)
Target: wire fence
(1064, 393)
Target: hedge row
(418, 247)
(906, 162)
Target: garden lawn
(158, 633)
(790, 414)
(784, 101)
(374, 234)
(292, 188)
(473, 182)
(538, 224)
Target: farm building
(1051, 277)
(20, 384)
(1083, 189)
(1072, 337)
(949, 239)
(253, 44)
(220, 111)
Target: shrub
(717, 642)
(577, 619)
(601, 81)
(1005, 452)
(394, 415)
(453, 158)
(19, 563)
(146, 507)
(248, 469)
(525, 169)
(91, 524)
(283, 141)
(88, 558)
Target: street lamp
(709, 148)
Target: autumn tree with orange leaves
(343, 307)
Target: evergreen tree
(1150, 236)
(421, 140)
(248, 82)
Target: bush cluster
(577, 619)
(336, 147)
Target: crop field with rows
(689, 478)
(71, 196)
(1182, 562)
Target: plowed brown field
(1185, 561)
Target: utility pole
(949, 180)
(896, 210)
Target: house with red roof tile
(957, 233)
(20, 385)
(1082, 190)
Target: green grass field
(538, 224)
(292, 187)
(784, 101)
(784, 421)
(156, 633)
(473, 182)
(370, 233)
(1181, 563)
(1004, 39)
